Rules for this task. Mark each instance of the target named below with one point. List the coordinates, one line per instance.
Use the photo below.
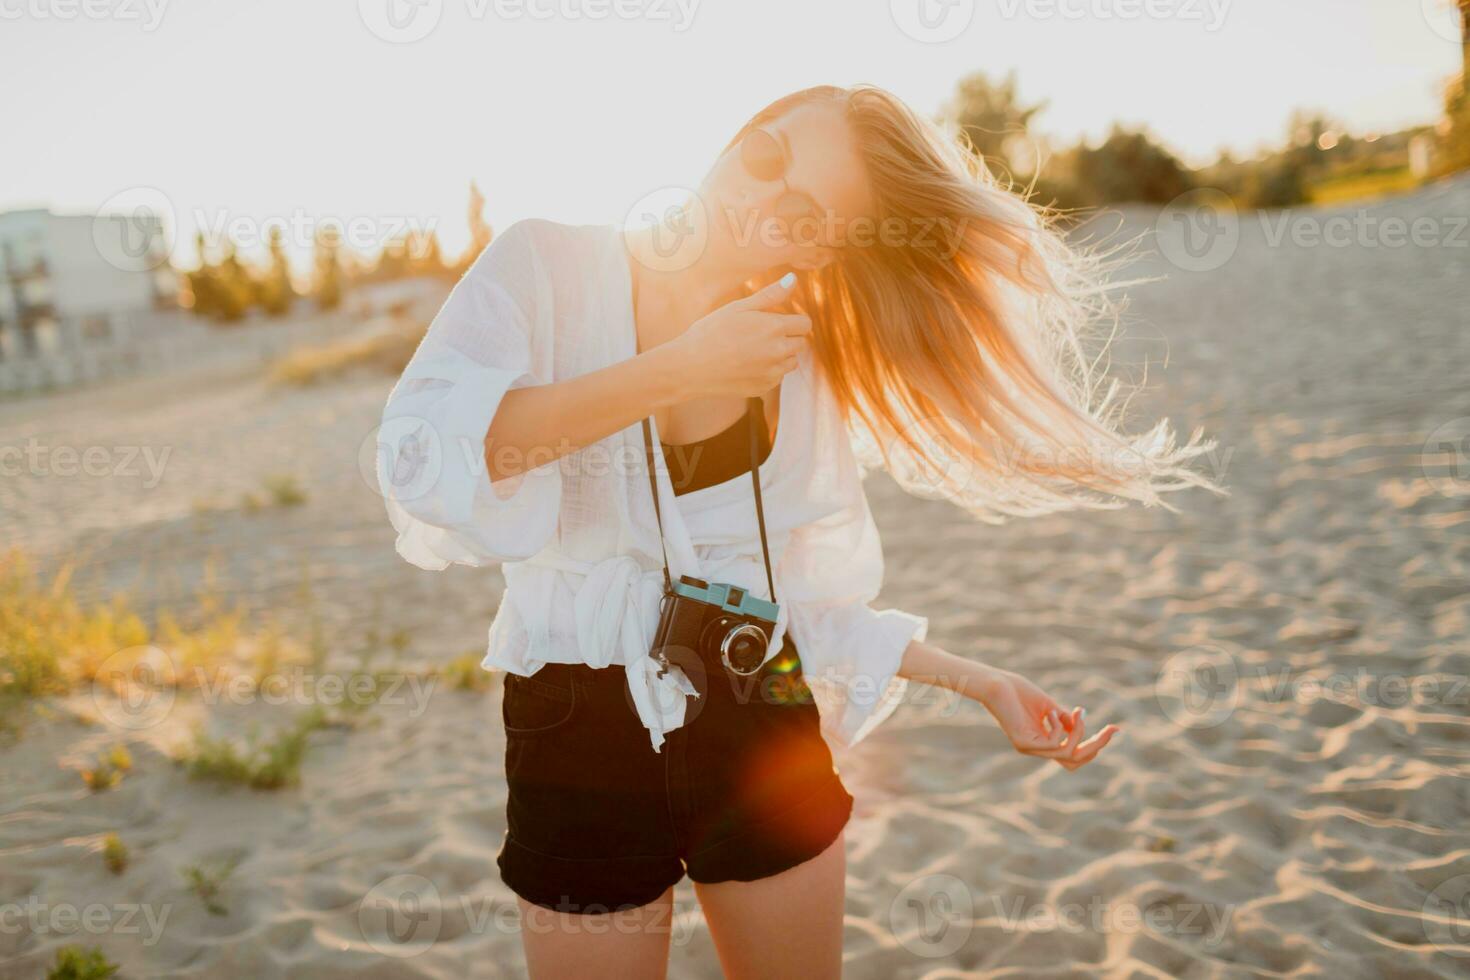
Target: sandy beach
(1290, 796)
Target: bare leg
(628, 945)
(786, 926)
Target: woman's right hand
(1036, 724)
(744, 348)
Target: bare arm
(538, 424)
(739, 349)
(1034, 723)
(929, 664)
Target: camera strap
(756, 410)
(653, 485)
(756, 414)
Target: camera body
(714, 620)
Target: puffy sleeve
(493, 334)
(831, 570)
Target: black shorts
(597, 821)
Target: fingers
(1090, 748)
(1087, 751)
(774, 294)
(788, 349)
(1078, 749)
(1064, 734)
(772, 376)
(794, 325)
(1051, 736)
(1059, 753)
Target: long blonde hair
(959, 354)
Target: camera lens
(747, 648)
(744, 649)
(740, 645)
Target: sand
(1307, 813)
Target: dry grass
(48, 642)
(464, 673)
(51, 645)
(281, 490)
(1352, 188)
(385, 352)
(109, 770)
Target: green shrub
(108, 771)
(115, 854)
(271, 764)
(207, 880)
(464, 673)
(76, 963)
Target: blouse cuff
(862, 687)
(434, 478)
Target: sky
(379, 113)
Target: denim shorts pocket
(533, 706)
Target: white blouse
(577, 538)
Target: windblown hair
(958, 349)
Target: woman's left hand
(1037, 725)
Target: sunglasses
(765, 159)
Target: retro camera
(701, 620)
(714, 620)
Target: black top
(723, 456)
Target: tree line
(227, 288)
(1130, 166)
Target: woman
(881, 301)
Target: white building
(68, 282)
